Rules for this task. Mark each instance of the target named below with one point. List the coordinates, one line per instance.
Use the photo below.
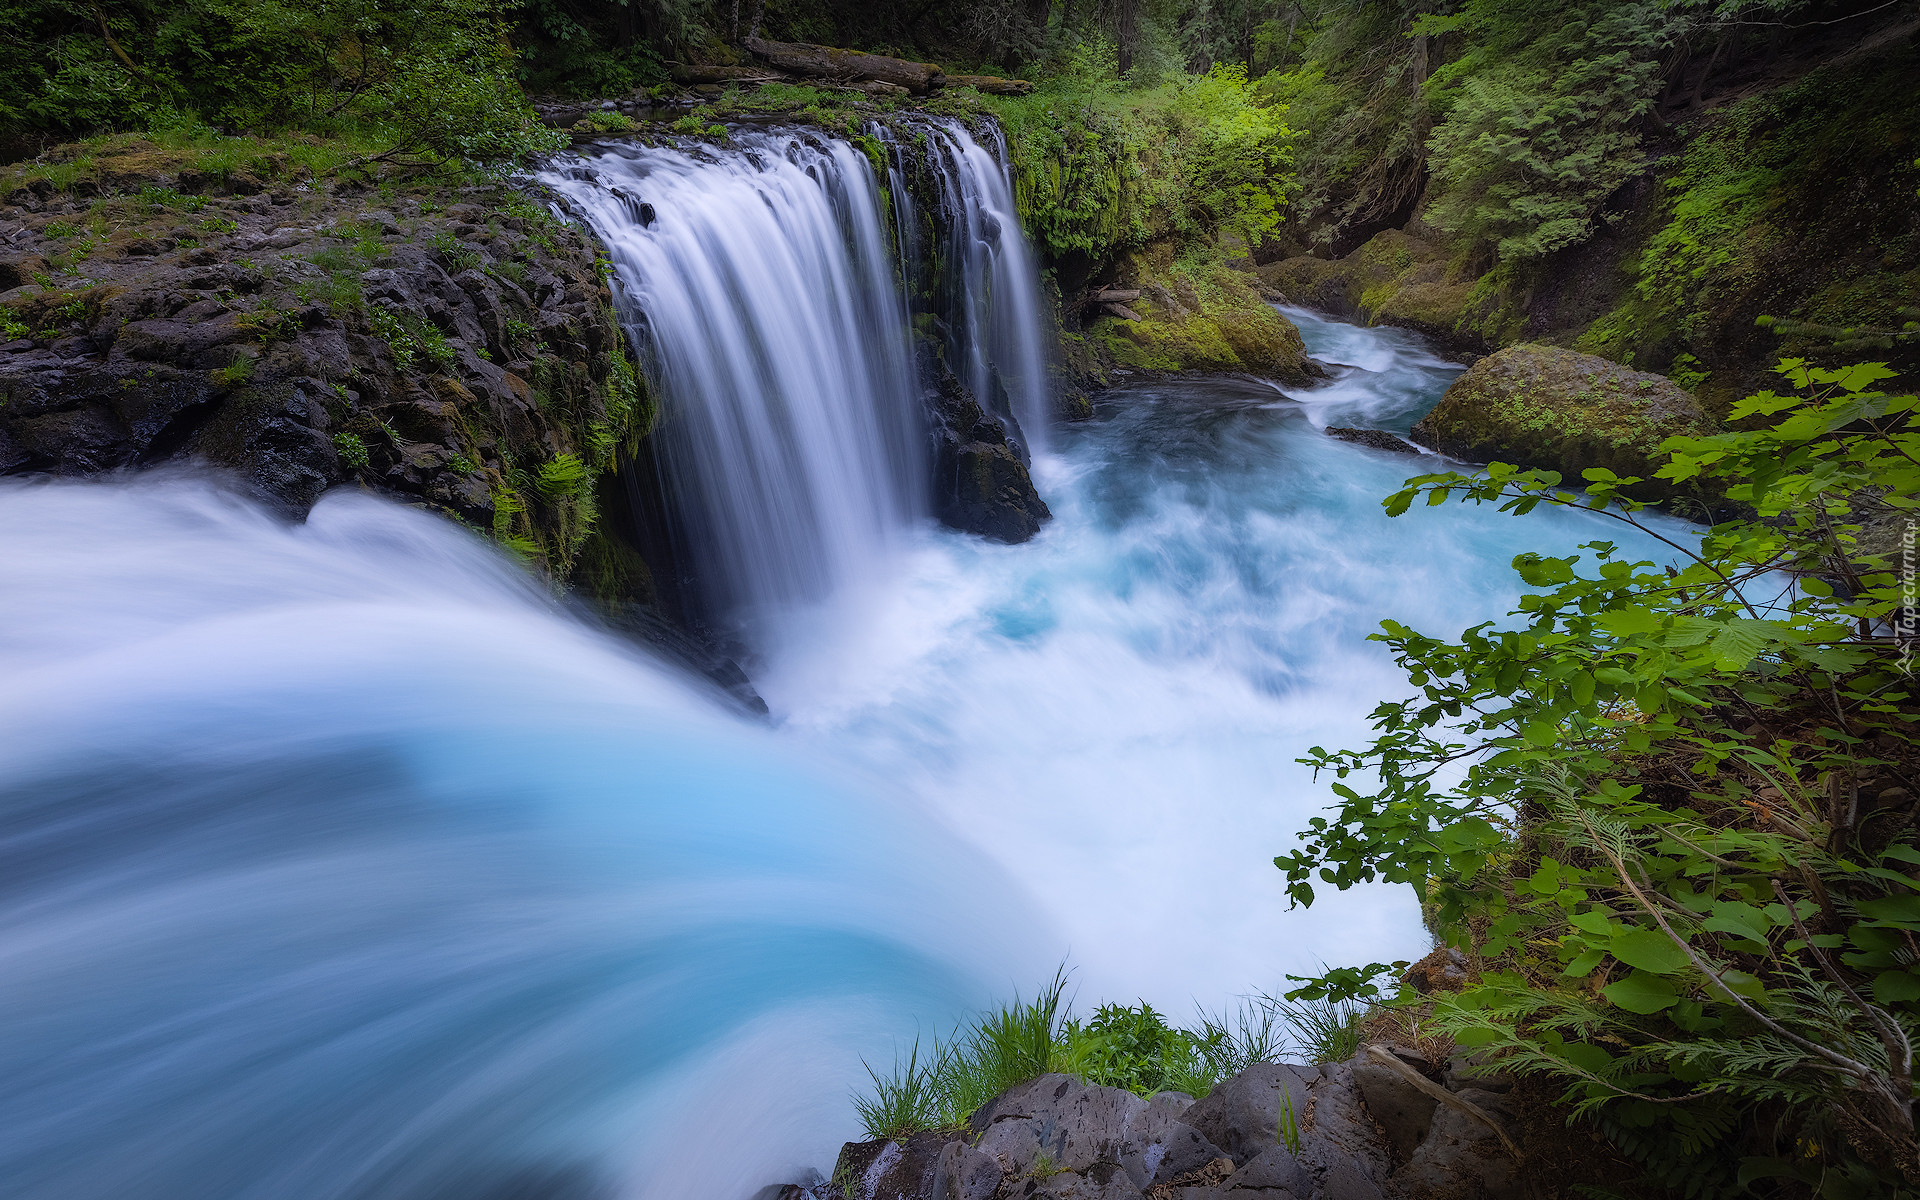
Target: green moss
(1199, 316)
(1547, 407)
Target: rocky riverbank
(1390, 1124)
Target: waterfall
(764, 288)
(985, 285)
(760, 283)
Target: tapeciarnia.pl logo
(1906, 620)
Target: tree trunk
(831, 62)
(1127, 32)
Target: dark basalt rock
(1379, 439)
(980, 485)
(1364, 1134)
(302, 324)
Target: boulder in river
(1543, 406)
(1379, 439)
(980, 484)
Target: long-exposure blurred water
(337, 860)
(1114, 710)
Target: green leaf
(1890, 987)
(1542, 733)
(1642, 993)
(1546, 879)
(1742, 984)
(1902, 910)
(1741, 920)
(1741, 641)
(1624, 622)
(1583, 966)
(1585, 1055)
(1593, 921)
(1649, 950)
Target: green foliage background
(1680, 901)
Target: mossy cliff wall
(450, 345)
(1778, 220)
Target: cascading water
(761, 285)
(336, 862)
(1113, 711)
(984, 284)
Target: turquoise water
(341, 860)
(1113, 711)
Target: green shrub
(1665, 856)
(605, 122)
(454, 254)
(1119, 1046)
(411, 339)
(1099, 169)
(1541, 120)
(429, 81)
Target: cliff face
(454, 347)
(1775, 219)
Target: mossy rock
(1543, 406)
(1394, 279)
(1213, 319)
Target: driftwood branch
(1387, 1058)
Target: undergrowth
(941, 1085)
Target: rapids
(340, 861)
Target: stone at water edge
(979, 483)
(1542, 406)
(1379, 439)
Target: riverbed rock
(1542, 406)
(1378, 439)
(1364, 1133)
(980, 483)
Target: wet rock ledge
(453, 347)
(1387, 1125)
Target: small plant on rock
(353, 451)
(605, 122)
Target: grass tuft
(1118, 1046)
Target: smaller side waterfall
(760, 284)
(776, 312)
(981, 277)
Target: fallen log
(991, 83)
(1114, 296)
(831, 62)
(704, 73)
(1121, 311)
